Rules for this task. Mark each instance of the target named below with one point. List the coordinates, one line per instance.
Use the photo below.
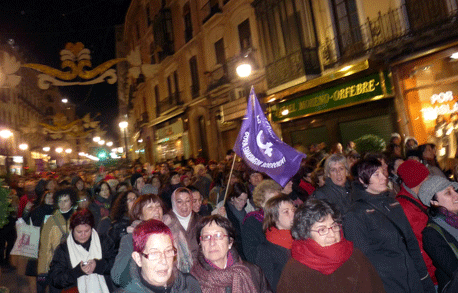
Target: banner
(261, 149)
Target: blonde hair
(266, 186)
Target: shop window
(306, 137)
(381, 126)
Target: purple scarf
(258, 215)
(450, 218)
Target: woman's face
(49, 200)
(82, 233)
(152, 210)
(328, 239)
(285, 216)
(338, 173)
(65, 203)
(51, 186)
(183, 203)
(378, 182)
(83, 202)
(156, 183)
(215, 249)
(196, 201)
(80, 185)
(105, 191)
(131, 197)
(240, 202)
(157, 271)
(447, 198)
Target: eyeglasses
(156, 255)
(218, 237)
(325, 231)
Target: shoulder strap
(58, 225)
(439, 230)
(414, 202)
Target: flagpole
(229, 180)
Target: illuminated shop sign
(440, 106)
(346, 94)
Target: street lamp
(65, 101)
(23, 146)
(59, 150)
(109, 144)
(96, 139)
(123, 125)
(46, 149)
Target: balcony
(169, 102)
(395, 32)
(294, 65)
(218, 77)
(209, 9)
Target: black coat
(38, 215)
(337, 195)
(398, 261)
(271, 258)
(238, 230)
(441, 254)
(63, 276)
(252, 237)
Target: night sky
(41, 29)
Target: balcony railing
(209, 9)
(294, 65)
(394, 31)
(218, 77)
(169, 102)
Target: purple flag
(261, 149)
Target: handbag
(28, 238)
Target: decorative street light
(59, 150)
(46, 149)
(68, 151)
(101, 142)
(23, 146)
(96, 139)
(123, 125)
(64, 100)
(109, 144)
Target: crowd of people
(346, 222)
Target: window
(187, 22)
(157, 98)
(219, 51)
(148, 14)
(177, 88)
(347, 25)
(194, 77)
(244, 35)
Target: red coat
(418, 220)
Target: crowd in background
(346, 222)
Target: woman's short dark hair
(98, 187)
(82, 217)
(71, 192)
(366, 168)
(271, 209)
(312, 211)
(141, 201)
(236, 190)
(219, 221)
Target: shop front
(341, 112)
(171, 141)
(429, 90)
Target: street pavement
(15, 281)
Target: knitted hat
(433, 185)
(412, 173)
(134, 178)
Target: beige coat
(50, 237)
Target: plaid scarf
(450, 218)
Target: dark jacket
(337, 195)
(356, 275)
(97, 206)
(116, 229)
(184, 283)
(252, 237)
(271, 258)
(259, 280)
(440, 252)
(238, 230)
(397, 258)
(63, 276)
(38, 215)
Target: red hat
(412, 173)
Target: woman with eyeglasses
(377, 225)
(219, 268)
(154, 266)
(322, 260)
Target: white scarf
(92, 283)
(184, 221)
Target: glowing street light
(123, 125)
(109, 144)
(101, 142)
(64, 100)
(243, 70)
(5, 133)
(59, 150)
(68, 151)
(96, 139)
(46, 149)
(23, 146)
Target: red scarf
(282, 238)
(307, 187)
(323, 259)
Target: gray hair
(310, 212)
(335, 158)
